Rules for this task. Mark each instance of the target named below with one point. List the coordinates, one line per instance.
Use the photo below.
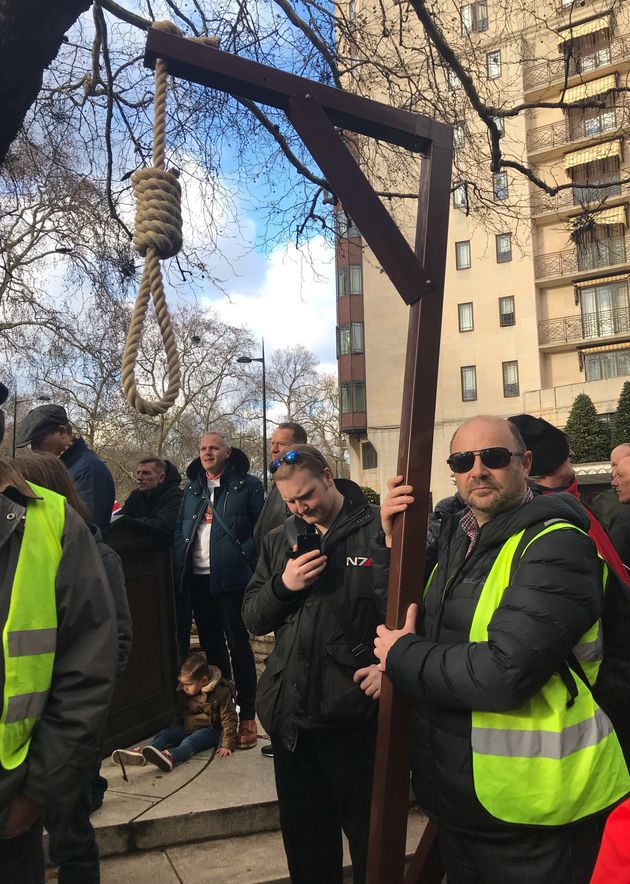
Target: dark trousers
(219, 621)
(72, 842)
(324, 787)
(523, 855)
(22, 858)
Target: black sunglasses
(493, 458)
(293, 457)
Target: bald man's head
(618, 454)
(621, 480)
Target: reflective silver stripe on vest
(541, 744)
(590, 652)
(24, 706)
(27, 642)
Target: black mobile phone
(307, 543)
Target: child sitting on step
(205, 717)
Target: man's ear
(526, 458)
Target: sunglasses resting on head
(292, 457)
(493, 458)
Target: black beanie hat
(549, 445)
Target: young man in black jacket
(512, 756)
(320, 605)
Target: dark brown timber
(315, 110)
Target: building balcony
(558, 70)
(582, 258)
(566, 132)
(584, 327)
(579, 195)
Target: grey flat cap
(41, 420)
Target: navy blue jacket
(92, 480)
(238, 500)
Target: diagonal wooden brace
(357, 196)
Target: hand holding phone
(305, 564)
(308, 543)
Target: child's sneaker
(129, 757)
(160, 757)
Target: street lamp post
(261, 359)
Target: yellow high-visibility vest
(545, 763)
(29, 637)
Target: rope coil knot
(158, 212)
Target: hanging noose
(157, 236)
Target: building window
(350, 338)
(595, 182)
(459, 136)
(453, 80)
(369, 457)
(465, 317)
(353, 397)
(507, 314)
(500, 185)
(588, 52)
(356, 279)
(345, 225)
(605, 310)
(469, 382)
(342, 282)
(609, 364)
(504, 247)
(510, 379)
(493, 64)
(588, 122)
(462, 254)
(474, 17)
(602, 247)
(460, 197)
(352, 10)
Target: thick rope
(157, 235)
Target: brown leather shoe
(247, 734)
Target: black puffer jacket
(159, 507)
(238, 500)
(554, 597)
(307, 682)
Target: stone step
(248, 859)
(196, 801)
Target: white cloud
(292, 303)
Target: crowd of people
(516, 655)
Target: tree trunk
(31, 32)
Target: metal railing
(586, 256)
(557, 69)
(579, 195)
(566, 131)
(607, 323)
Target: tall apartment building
(535, 312)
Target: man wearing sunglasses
(511, 754)
(320, 604)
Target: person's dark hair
(298, 431)
(196, 667)
(158, 463)
(311, 459)
(46, 469)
